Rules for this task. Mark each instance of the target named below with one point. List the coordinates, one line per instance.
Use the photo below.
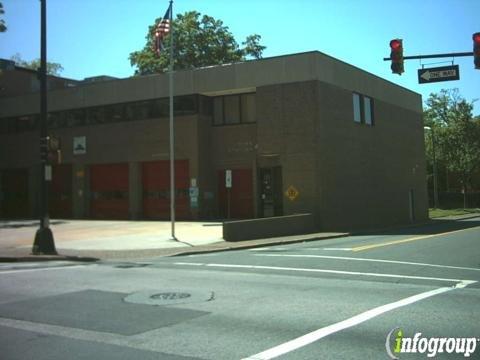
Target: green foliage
(437, 213)
(52, 68)
(456, 133)
(198, 41)
(3, 27)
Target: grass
(437, 213)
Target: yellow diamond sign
(292, 193)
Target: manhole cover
(169, 297)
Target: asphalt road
(330, 299)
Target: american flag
(162, 30)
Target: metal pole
(43, 243)
(435, 184)
(172, 132)
(433, 56)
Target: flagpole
(172, 133)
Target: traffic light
(476, 50)
(396, 55)
(44, 149)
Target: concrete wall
(268, 227)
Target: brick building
(300, 133)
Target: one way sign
(444, 73)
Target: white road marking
(339, 272)
(41, 269)
(371, 260)
(355, 320)
(337, 249)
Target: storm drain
(169, 297)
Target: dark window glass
(160, 108)
(114, 113)
(218, 110)
(185, 105)
(4, 125)
(130, 112)
(368, 110)
(232, 109)
(206, 105)
(357, 112)
(56, 120)
(75, 117)
(95, 115)
(248, 108)
(143, 110)
(25, 123)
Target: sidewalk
(89, 240)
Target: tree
(199, 41)
(52, 68)
(3, 27)
(457, 134)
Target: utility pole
(44, 243)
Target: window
(218, 110)
(232, 109)
(367, 110)
(248, 108)
(363, 109)
(206, 105)
(75, 117)
(185, 105)
(357, 113)
(114, 113)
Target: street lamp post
(435, 186)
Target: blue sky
(95, 37)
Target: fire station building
(302, 133)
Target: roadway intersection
(330, 299)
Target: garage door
(109, 191)
(241, 195)
(60, 196)
(156, 189)
(14, 198)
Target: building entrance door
(270, 192)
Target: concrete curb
(170, 252)
(34, 258)
(264, 243)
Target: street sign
(292, 193)
(228, 178)
(79, 145)
(437, 74)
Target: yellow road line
(373, 246)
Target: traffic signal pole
(433, 56)
(44, 243)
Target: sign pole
(172, 132)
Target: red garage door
(241, 194)
(156, 189)
(60, 196)
(109, 191)
(14, 194)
